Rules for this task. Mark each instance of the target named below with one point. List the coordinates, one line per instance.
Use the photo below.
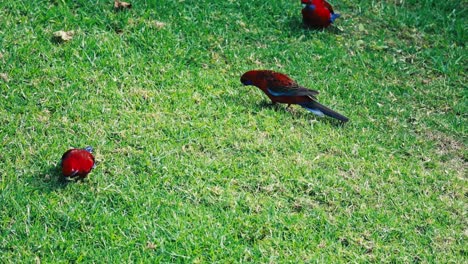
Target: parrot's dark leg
(274, 104)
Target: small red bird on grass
(77, 163)
(282, 89)
(318, 13)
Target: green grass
(194, 167)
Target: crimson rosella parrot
(318, 13)
(77, 163)
(282, 89)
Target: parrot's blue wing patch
(309, 7)
(277, 93)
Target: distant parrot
(318, 13)
(282, 89)
(77, 163)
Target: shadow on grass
(56, 41)
(296, 25)
(50, 179)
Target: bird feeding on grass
(77, 163)
(282, 89)
(318, 13)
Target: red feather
(265, 78)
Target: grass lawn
(194, 167)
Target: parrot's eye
(304, 5)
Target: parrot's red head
(249, 77)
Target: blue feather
(333, 17)
(315, 111)
(288, 93)
(89, 149)
(309, 6)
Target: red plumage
(77, 163)
(318, 13)
(282, 89)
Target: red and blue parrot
(318, 13)
(77, 163)
(282, 89)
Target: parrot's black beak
(246, 82)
